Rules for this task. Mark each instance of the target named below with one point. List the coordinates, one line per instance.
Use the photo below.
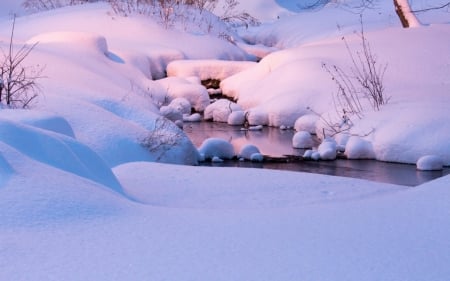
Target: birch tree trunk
(406, 16)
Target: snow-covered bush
(43, 5)
(168, 143)
(216, 147)
(189, 15)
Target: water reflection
(276, 142)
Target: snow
(207, 69)
(429, 163)
(220, 110)
(302, 139)
(250, 152)
(306, 123)
(358, 148)
(216, 147)
(328, 149)
(84, 193)
(236, 117)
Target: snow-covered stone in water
(258, 117)
(430, 163)
(308, 153)
(257, 157)
(302, 139)
(315, 155)
(196, 117)
(220, 110)
(179, 123)
(247, 151)
(171, 113)
(327, 149)
(216, 147)
(236, 118)
(306, 123)
(182, 105)
(216, 159)
(358, 148)
(256, 128)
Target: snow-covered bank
(405, 129)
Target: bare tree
(18, 83)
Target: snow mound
(215, 147)
(39, 119)
(220, 110)
(195, 93)
(306, 123)
(41, 195)
(72, 40)
(302, 139)
(207, 69)
(59, 151)
(358, 148)
(237, 188)
(430, 163)
(327, 149)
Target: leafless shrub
(237, 18)
(363, 82)
(43, 5)
(365, 79)
(18, 83)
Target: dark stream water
(275, 142)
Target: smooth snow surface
(82, 196)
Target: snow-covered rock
(250, 152)
(216, 147)
(182, 105)
(220, 110)
(236, 117)
(258, 117)
(196, 117)
(302, 139)
(358, 148)
(430, 163)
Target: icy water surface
(275, 142)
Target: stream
(278, 143)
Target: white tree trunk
(407, 17)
